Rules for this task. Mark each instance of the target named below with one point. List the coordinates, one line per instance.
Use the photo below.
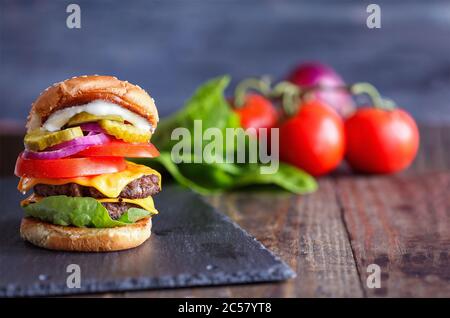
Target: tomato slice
(117, 148)
(68, 167)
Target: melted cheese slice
(110, 184)
(146, 204)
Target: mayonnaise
(96, 107)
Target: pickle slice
(85, 117)
(126, 132)
(38, 140)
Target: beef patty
(137, 189)
(116, 209)
(140, 188)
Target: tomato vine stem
(377, 100)
(291, 95)
(260, 85)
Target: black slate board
(191, 245)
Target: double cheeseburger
(86, 196)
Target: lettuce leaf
(133, 215)
(287, 177)
(80, 211)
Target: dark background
(169, 47)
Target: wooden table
(401, 223)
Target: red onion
(68, 148)
(92, 127)
(317, 74)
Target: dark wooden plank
(305, 231)
(401, 224)
(432, 154)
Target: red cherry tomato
(257, 112)
(313, 140)
(67, 167)
(380, 140)
(117, 148)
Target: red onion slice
(92, 127)
(68, 148)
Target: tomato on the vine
(257, 112)
(313, 139)
(381, 140)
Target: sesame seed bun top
(83, 89)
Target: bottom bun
(70, 238)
